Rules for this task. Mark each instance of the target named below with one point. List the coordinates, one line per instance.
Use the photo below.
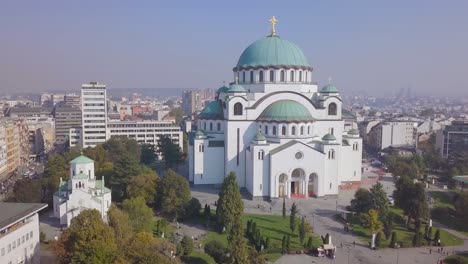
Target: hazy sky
(363, 45)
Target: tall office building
(452, 140)
(94, 114)
(66, 118)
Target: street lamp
(398, 253)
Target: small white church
(82, 191)
(274, 127)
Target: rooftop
(14, 212)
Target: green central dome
(212, 110)
(272, 51)
(285, 111)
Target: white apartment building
(94, 114)
(393, 133)
(19, 232)
(3, 150)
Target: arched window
(201, 148)
(300, 76)
(332, 109)
(251, 76)
(355, 146)
(260, 77)
(331, 154)
(308, 130)
(211, 126)
(274, 130)
(293, 131)
(218, 126)
(282, 76)
(302, 130)
(283, 131)
(272, 76)
(266, 130)
(237, 109)
(292, 76)
(261, 155)
(243, 76)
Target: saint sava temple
(275, 128)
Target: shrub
(267, 243)
(216, 250)
(309, 243)
(42, 236)
(393, 240)
(207, 211)
(437, 236)
(192, 208)
(378, 239)
(187, 245)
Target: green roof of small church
(259, 136)
(272, 51)
(236, 88)
(81, 160)
(200, 134)
(212, 110)
(329, 88)
(353, 132)
(329, 137)
(80, 176)
(285, 110)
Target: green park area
(404, 235)
(449, 208)
(461, 258)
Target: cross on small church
(273, 22)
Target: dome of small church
(81, 160)
(329, 137)
(273, 51)
(236, 88)
(285, 110)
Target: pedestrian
(438, 250)
(270, 209)
(341, 244)
(430, 250)
(354, 243)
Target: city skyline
(363, 47)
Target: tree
(393, 240)
(187, 245)
(292, 217)
(284, 207)
(378, 239)
(437, 236)
(371, 221)
(216, 250)
(309, 243)
(120, 223)
(288, 243)
(174, 192)
(302, 231)
(256, 257)
(192, 208)
(207, 211)
(27, 191)
(148, 154)
(411, 197)
(144, 248)
(461, 205)
(125, 168)
(140, 215)
(230, 207)
(283, 244)
(87, 240)
(144, 185)
(239, 253)
(362, 202)
(122, 146)
(170, 152)
(388, 225)
(379, 199)
(178, 113)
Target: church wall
(247, 131)
(191, 155)
(213, 166)
(332, 171)
(260, 177)
(351, 161)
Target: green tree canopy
(174, 192)
(140, 215)
(411, 197)
(363, 201)
(461, 205)
(120, 223)
(87, 240)
(379, 199)
(27, 191)
(144, 185)
(371, 221)
(148, 154)
(239, 253)
(230, 207)
(170, 152)
(144, 248)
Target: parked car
(391, 201)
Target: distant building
(191, 103)
(16, 146)
(41, 135)
(94, 114)
(66, 118)
(82, 191)
(72, 100)
(393, 133)
(29, 112)
(19, 232)
(3, 151)
(452, 139)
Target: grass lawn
(442, 199)
(404, 236)
(272, 226)
(446, 215)
(461, 258)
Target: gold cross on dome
(273, 22)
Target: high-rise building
(72, 100)
(65, 118)
(191, 102)
(393, 134)
(94, 114)
(453, 139)
(3, 150)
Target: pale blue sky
(364, 45)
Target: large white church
(274, 127)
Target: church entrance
(297, 183)
(281, 187)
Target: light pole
(349, 250)
(398, 253)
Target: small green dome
(200, 135)
(259, 136)
(81, 160)
(212, 110)
(223, 89)
(329, 137)
(236, 88)
(353, 132)
(272, 51)
(285, 110)
(329, 88)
